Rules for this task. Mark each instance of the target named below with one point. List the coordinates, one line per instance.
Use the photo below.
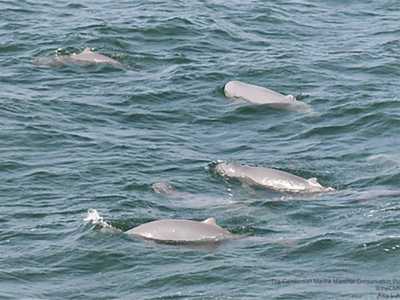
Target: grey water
(75, 138)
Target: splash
(93, 217)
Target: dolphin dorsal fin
(313, 181)
(291, 98)
(210, 221)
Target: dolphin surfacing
(270, 178)
(163, 187)
(187, 199)
(86, 57)
(181, 231)
(260, 95)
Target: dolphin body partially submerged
(186, 199)
(261, 95)
(181, 231)
(86, 57)
(169, 230)
(270, 178)
(164, 187)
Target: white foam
(93, 217)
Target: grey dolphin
(270, 178)
(163, 187)
(175, 230)
(187, 199)
(169, 230)
(86, 57)
(260, 95)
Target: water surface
(75, 138)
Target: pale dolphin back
(169, 230)
(270, 178)
(174, 230)
(86, 57)
(254, 94)
(261, 95)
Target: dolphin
(163, 187)
(269, 178)
(260, 95)
(181, 231)
(168, 230)
(187, 199)
(86, 57)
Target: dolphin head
(225, 169)
(163, 187)
(232, 88)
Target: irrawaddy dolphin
(270, 178)
(186, 199)
(169, 230)
(86, 57)
(260, 95)
(181, 231)
(164, 187)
